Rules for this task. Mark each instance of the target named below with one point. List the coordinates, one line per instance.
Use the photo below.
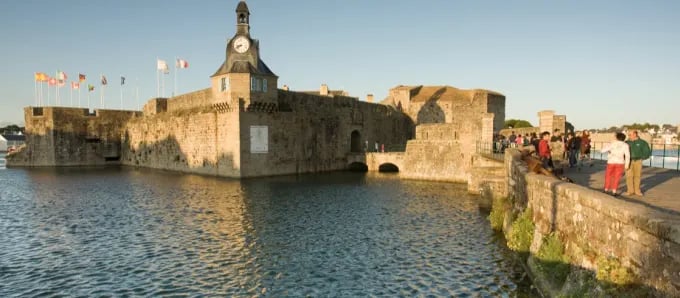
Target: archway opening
(388, 168)
(358, 167)
(355, 142)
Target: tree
(11, 129)
(517, 123)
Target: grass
(522, 232)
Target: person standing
(585, 146)
(639, 151)
(574, 146)
(544, 151)
(512, 137)
(618, 160)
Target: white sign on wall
(259, 139)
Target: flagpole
(71, 99)
(35, 91)
(137, 93)
(79, 105)
(121, 93)
(158, 80)
(174, 84)
(88, 99)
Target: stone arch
(388, 167)
(355, 141)
(358, 167)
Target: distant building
(3, 144)
(12, 141)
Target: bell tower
(243, 77)
(242, 18)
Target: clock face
(241, 44)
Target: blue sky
(601, 63)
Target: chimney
(369, 98)
(324, 90)
(285, 87)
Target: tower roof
(242, 7)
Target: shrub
(553, 262)
(497, 215)
(610, 270)
(522, 232)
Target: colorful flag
(61, 83)
(104, 82)
(75, 85)
(61, 76)
(41, 77)
(122, 80)
(51, 81)
(90, 88)
(81, 77)
(181, 63)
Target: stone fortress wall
(58, 136)
(594, 226)
(450, 122)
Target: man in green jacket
(639, 151)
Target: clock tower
(244, 77)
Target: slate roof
(13, 137)
(245, 67)
(242, 6)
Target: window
(264, 85)
(225, 84)
(253, 84)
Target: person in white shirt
(618, 160)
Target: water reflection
(102, 231)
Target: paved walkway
(661, 187)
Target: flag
(181, 63)
(104, 82)
(61, 83)
(162, 65)
(122, 80)
(61, 75)
(75, 85)
(51, 81)
(40, 77)
(81, 77)
(90, 88)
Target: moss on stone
(522, 232)
(610, 270)
(552, 260)
(497, 214)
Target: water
(126, 232)
(668, 158)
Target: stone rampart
(190, 100)
(594, 226)
(71, 137)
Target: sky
(601, 63)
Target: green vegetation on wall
(552, 260)
(611, 270)
(497, 215)
(522, 232)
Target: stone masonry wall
(200, 141)
(190, 100)
(313, 133)
(71, 137)
(593, 225)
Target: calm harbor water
(126, 232)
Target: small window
(225, 84)
(264, 85)
(253, 84)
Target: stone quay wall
(595, 226)
(71, 137)
(305, 134)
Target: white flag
(162, 65)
